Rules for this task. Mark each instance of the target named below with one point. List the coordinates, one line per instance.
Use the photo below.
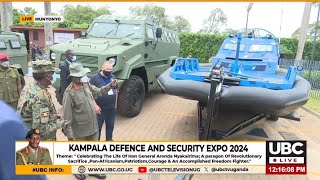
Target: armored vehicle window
(165, 35)
(101, 29)
(3, 45)
(171, 37)
(15, 44)
(233, 47)
(129, 30)
(260, 48)
(150, 32)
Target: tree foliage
(310, 32)
(230, 31)
(202, 46)
(214, 22)
(178, 23)
(83, 14)
(26, 11)
(157, 12)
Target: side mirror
(158, 32)
(83, 34)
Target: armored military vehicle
(139, 49)
(14, 44)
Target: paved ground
(167, 117)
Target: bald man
(108, 102)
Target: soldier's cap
(43, 66)
(77, 70)
(33, 131)
(4, 57)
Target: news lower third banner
(204, 157)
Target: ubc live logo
(286, 152)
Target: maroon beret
(4, 57)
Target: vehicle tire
(23, 81)
(272, 118)
(131, 97)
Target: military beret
(43, 66)
(4, 57)
(33, 131)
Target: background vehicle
(14, 44)
(139, 49)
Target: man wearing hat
(33, 154)
(79, 108)
(35, 104)
(10, 82)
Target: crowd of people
(86, 106)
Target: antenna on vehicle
(281, 22)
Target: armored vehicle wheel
(131, 97)
(272, 118)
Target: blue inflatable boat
(242, 82)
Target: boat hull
(251, 99)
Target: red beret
(3, 57)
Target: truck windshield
(102, 29)
(260, 48)
(233, 47)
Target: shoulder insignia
(21, 150)
(75, 86)
(44, 148)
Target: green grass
(313, 104)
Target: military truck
(139, 49)
(14, 44)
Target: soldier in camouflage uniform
(33, 154)
(10, 82)
(35, 104)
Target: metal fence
(311, 72)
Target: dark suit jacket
(64, 73)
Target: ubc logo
(285, 148)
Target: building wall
(41, 38)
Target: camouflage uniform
(36, 107)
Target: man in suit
(12, 129)
(64, 74)
(33, 154)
